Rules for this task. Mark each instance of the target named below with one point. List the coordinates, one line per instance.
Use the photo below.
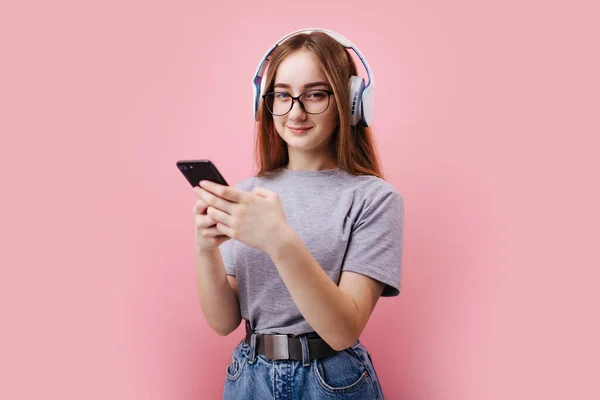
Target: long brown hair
(352, 147)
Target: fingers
(215, 201)
(224, 229)
(206, 225)
(219, 216)
(228, 193)
(204, 221)
(211, 232)
(200, 207)
(264, 193)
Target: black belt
(288, 347)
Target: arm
(217, 292)
(338, 314)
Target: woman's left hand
(254, 218)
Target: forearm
(330, 312)
(218, 301)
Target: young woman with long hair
(302, 250)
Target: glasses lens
(278, 103)
(314, 101)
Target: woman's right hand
(208, 237)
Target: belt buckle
(276, 347)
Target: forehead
(299, 68)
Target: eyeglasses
(312, 102)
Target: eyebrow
(308, 85)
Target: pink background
(486, 119)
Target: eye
(282, 95)
(315, 95)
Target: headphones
(361, 96)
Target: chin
(304, 144)
(299, 143)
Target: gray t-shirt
(347, 222)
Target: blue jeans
(348, 374)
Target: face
(297, 73)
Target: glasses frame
(297, 98)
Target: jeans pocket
(238, 362)
(234, 370)
(343, 372)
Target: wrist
(285, 239)
(206, 252)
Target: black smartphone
(200, 170)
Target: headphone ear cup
(263, 83)
(367, 105)
(356, 85)
(259, 95)
(259, 83)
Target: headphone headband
(366, 94)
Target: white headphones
(361, 96)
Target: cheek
(332, 114)
(329, 120)
(278, 124)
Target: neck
(305, 162)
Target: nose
(297, 112)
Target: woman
(303, 250)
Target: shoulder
(373, 187)
(246, 184)
(372, 192)
(257, 181)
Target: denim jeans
(348, 374)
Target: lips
(299, 129)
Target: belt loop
(305, 353)
(252, 349)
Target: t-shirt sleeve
(375, 245)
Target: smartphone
(200, 170)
